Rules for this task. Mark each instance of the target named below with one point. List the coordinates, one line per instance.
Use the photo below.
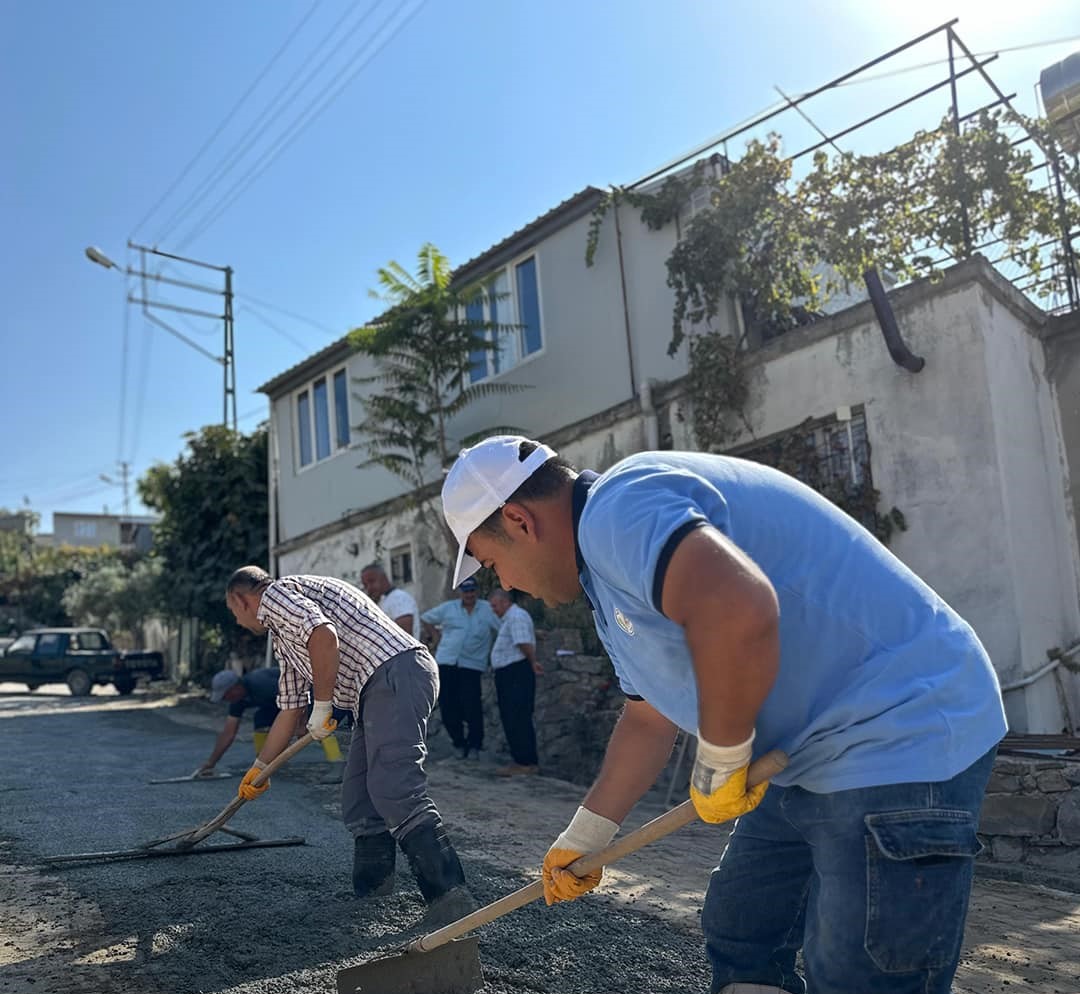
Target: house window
(303, 419)
(341, 409)
(85, 529)
(511, 307)
(322, 418)
(401, 564)
(831, 455)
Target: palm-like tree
(423, 346)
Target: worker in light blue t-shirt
(744, 608)
(465, 628)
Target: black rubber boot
(373, 865)
(438, 873)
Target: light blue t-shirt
(467, 637)
(880, 681)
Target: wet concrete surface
(74, 778)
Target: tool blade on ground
(427, 967)
(452, 968)
(192, 776)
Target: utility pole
(228, 357)
(125, 471)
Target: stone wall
(1030, 820)
(577, 703)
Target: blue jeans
(872, 884)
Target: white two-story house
(972, 449)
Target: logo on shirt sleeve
(624, 622)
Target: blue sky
(469, 121)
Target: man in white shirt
(397, 603)
(513, 658)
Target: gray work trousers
(385, 786)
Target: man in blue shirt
(466, 630)
(255, 689)
(743, 607)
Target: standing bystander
(513, 658)
(466, 630)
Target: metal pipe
(625, 303)
(899, 351)
(760, 118)
(964, 220)
(888, 110)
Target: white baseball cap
(482, 479)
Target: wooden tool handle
(200, 833)
(763, 768)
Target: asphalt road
(74, 778)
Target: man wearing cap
(466, 630)
(335, 644)
(256, 689)
(744, 608)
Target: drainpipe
(625, 304)
(900, 353)
(272, 496)
(1054, 663)
(649, 421)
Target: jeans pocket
(919, 869)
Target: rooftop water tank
(1060, 86)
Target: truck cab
(79, 657)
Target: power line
(228, 117)
(124, 350)
(245, 142)
(306, 349)
(140, 396)
(300, 124)
(291, 314)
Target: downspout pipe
(901, 354)
(625, 302)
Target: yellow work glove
(247, 790)
(587, 832)
(321, 723)
(718, 783)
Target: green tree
(116, 597)
(34, 579)
(422, 347)
(214, 518)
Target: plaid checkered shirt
(294, 606)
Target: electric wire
(300, 124)
(273, 109)
(228, 117)
(267, 305)
(265, 321)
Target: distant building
(129, 532)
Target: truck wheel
(78, 682)
(124, 684)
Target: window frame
(327, 378)
(395, 553)
(510, 270)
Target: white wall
(966, 449)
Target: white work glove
(718, 782)
(321, 723)
(587, 832)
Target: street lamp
(95, 254)
(227, 361)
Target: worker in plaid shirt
(331, 639)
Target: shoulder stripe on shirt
(665, 558)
